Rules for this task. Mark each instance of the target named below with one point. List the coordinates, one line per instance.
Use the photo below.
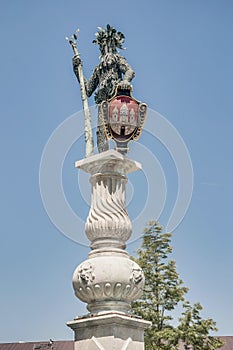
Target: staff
(87, 115)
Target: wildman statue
(113, 71)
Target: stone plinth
(109, 331)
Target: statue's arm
(90, 85)
(126, 70)
(76, 64)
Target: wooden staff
(87, 115)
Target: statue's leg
(102, 142)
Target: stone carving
(108, 217)
(117, 281)
(85, 273)
(137, 275)
(108, 280)
(100, 292)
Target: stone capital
(108, 162)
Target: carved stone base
(108, 280)
(109, 331)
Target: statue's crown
(109, 38)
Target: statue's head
(109, 40)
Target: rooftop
(69, 345)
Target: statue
(108, 281)
(112, 71)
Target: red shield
(123, 119)
(123, 116)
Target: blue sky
(182, 53)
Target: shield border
(135, 134)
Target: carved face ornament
(86, 273)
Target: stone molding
(111, 161)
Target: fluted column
(108, 281)
(108, 223)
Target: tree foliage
(163, 291)
(194, 331)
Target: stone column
(108, 281)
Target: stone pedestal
(108, 281)
(110, 331)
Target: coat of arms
(123, 118)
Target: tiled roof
(228, 343)
(227, 346)
(69, 345)
(57, 345)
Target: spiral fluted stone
(108, 220)
(108, 223)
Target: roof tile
(69, 345)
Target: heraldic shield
(123, 118)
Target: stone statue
(108, 281)
(112, 71)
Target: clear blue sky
(183, 57)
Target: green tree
(163, 288)
(163, 291)
(194, 330)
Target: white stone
(111, 161)
(108, 219)
(108, 282)
(109, 331)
